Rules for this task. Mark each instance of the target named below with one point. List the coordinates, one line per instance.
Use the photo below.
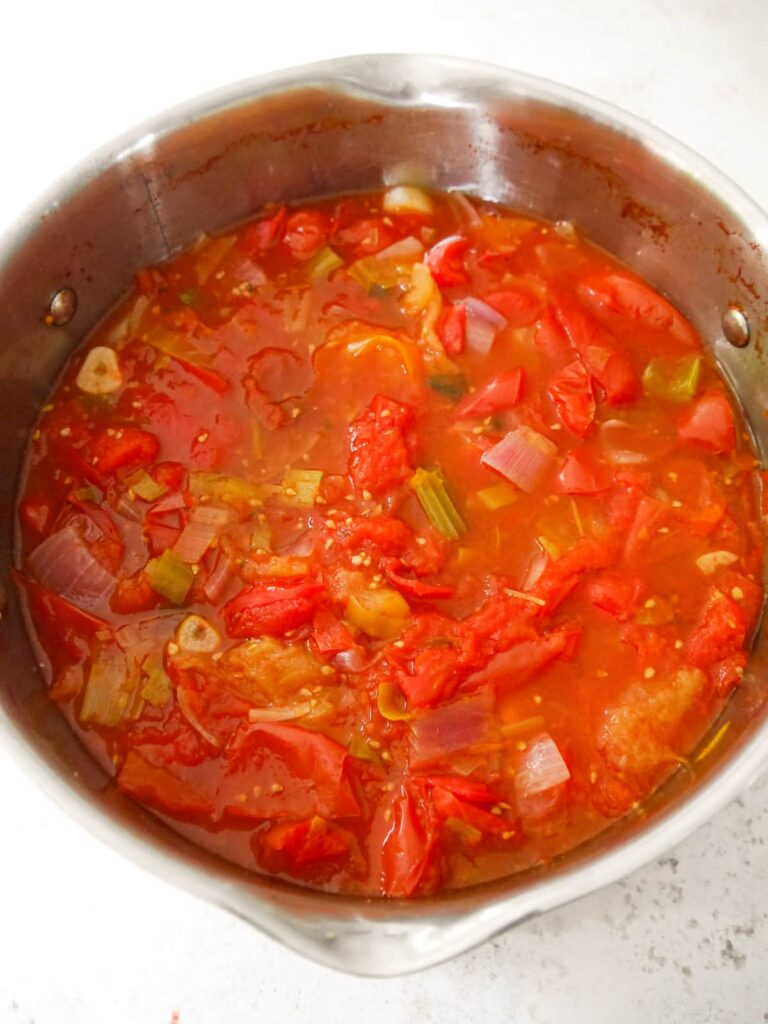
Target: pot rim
(422, 939)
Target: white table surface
(86, 937)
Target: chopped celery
(370, 272)
(381, 613)
(145, 486)
(89, 493)
(673, 380)
(261, 537)
(464, 829)
(448, 384)
(170, 576)
(498, 496)
(429, 486)
(220, 487)
(177, 347)
(111, 693)
(391, 703)
(301, 487)
(157, 688)
(359, 747)
(325, 262)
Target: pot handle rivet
(736, 327)
(62, 307)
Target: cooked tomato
(389, 552)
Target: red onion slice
(64, 564)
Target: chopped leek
(391, 703)
(359, 747)
(325, 262)
(464, 829)
(380, 613)
(170, 576)
(89, 493)
(261, 537)
(145, 486)
(111, 693)
(301, 487)
(448, 384)
(672, 380)
(157, 688)
(220, 487)
(498, 496)
(429, 486)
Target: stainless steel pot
(335, 127)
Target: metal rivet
(736, 327)
(62, 308)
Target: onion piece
(279, 714)
(195, 635)
(100, 373)
(536, 568)
(354, 659)
(407, 199)
(620, 441)
(64, 564)
(217, 581)
(441, 733)
(524, 457)
(483, 324)
(205, 524)
(463, 206)
(406, 248)
(542, 768)
(185, 706)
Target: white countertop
(86, 937)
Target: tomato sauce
(391, 543)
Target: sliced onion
(64, 564)
(406, 248)
(205, 524)
(524, 457)
(302, 546)
(620, 441)
(465, 209)
(169, 503)
(279, 714)
(128, 509)
(442, 733)
(185, 706)
(536, 567)
(543, 768)
(354, 659)
(217, 581)
(483, 324)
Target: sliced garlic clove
(100, 374)
(196, 635)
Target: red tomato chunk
(392, 546)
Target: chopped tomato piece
(452, 328)
(161, 787)
(414, 587)
(500, 393)
(264, 233)
(710, 423)
(613, 594)
(271, 608)
(331, 636)
(366, 236)
(519, 306)
(446, 261)
(578, 477)
(308, 841)
(124, 447)
(571, 393)
(305, 232)
(400, 847)
(134, 594)
(380, 442)
(610, 367)
(720, 631)
(638, 301)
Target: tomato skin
(552, 339)
(499, 394)
(446, 261)
(134, 594)
(331, 636)
(610, 367)
(306, 231)
(638, 301)
(216, 381)
(614, 594)
(306, 842)
(380, 443)
(571, 393)
(577, 477)
(128, 446)
(264, 234)
(521, 306)
(412, 587)
(719, 632)
(400, 846)
(160, 787)
(172, 475)
(452, 328)
(448, 805)
(710, 423)
(366, 236)
(271, 608)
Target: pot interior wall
(140, 201)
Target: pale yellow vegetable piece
(407, 199)
(380, 613)
(196, 635)
(100, 374)
(714, 560)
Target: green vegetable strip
(450, 385)
(220, 487)
(672, 381)
(170, 577)
(157, 689)
(324, 262)
(111, 693)
(146, 487)
(429, 486)
(301, 486)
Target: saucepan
(340, 126)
